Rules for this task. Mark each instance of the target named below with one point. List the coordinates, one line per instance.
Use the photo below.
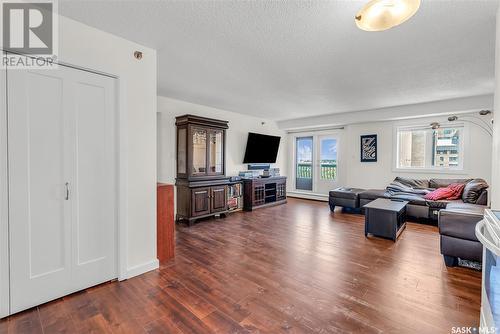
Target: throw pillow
(473, 190)
(453, 191)
(458, 189)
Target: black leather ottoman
(344, 197)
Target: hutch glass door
(216, 154)
(199, 151)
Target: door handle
(67, 191)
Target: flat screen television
(261, 148)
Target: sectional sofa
(456, 218)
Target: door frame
(4, 203)
(121, 191)
(312, 194)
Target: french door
(316, 162)
(62, 184)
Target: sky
(328, 149)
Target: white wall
(376, 175)
(428, 109)
(239, 126)
(87, 47)
(495, 198)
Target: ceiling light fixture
(379, 15)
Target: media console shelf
(262, 192)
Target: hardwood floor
(293, 268)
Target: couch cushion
(373, 194)
(412, 199)
(483, 198)
(469, 208)
(473, 190)
(413, 183)
(441, 204)
(462, 248)
(348, 193)
(443, 183)
(460, 222)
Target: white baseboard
(4, 312)
(316, 197)
(142, 268)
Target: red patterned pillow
(453, 191)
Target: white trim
(464, 144)
(321, 129)
(407, 113)
(430, 171)
(142, 268)
(122, 256)
(4, 204)
(308, 195)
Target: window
(411, 148)
(445, 144)
(424, 148)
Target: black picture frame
(368, 148)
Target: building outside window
(425, 148)
(446, 144)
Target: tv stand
(264, 192)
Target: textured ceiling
(290, 59)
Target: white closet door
(4, 200)
(39, 215)
(62, 183)
(93, 190)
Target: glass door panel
(304, 163)
(215, 152)
(328, 159)
(327, 166)
(181, 150)
(199, 151)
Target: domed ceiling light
(378, 15)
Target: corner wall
(239, 126)
(495, 168)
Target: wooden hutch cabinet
(202, 185)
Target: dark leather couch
(456, 228)
(456, 219)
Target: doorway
(316, 162)
(62, 194)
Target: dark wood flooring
(293, 268)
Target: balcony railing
(328, 171)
